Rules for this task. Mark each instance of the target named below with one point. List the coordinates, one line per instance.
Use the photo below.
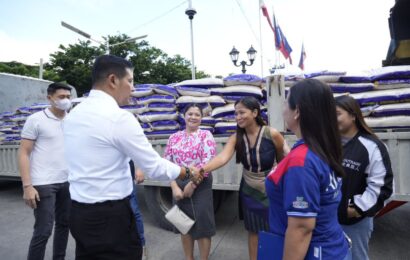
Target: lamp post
(107, 44)
(191, 13)
(235, 55)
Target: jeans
(360, 234)
(53, 207)
(137, 214)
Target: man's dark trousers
(105, 231)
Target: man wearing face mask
(44, 173)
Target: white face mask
(63, 104)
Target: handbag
(179, 219)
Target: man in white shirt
(100, 139)
(44, 173)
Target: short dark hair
(318, 120)
(105, 65)
(190, 105)
(53, 87)
(350, 105)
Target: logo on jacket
(351, 164)
(299, 203)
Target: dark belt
(101, 204)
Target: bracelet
(27, 185)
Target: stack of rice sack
(383, 95)
(200, 91)
(11, 123)
(154, 106)
(235, 87)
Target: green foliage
(73, 63)
(151, 65)
(19, 69)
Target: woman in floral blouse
(194, 147)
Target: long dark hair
(252, 104)
(351, 106)
(318, 120)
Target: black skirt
(202, 202)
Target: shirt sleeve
(379, 184)
(301, 192)
(30, 129)
(129, 138)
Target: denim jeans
(137, 214)
(52, 209)
(360, 234)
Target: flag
(285, 47)
(278, 40)
(281, 42)
(302, 58)
(266, 14)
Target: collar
(50, 114)
(298, 143)
(96, 93)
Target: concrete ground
(390, 239)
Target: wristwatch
(188, 174)
(202, 171)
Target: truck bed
(229, 176)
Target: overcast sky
(343, 35)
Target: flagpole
(260, 36)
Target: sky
(346, 35)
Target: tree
(151, 65)
(73, 64)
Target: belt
(100, 204)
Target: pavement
(390, 239)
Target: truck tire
(159, 201)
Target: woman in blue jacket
(304, 190)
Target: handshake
(193, 174)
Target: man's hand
(31, 197)
(139, 176)
(197, 177)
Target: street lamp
(191, 13)
(107, 44)
(235, 55)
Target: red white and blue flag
(281, 43)
(302, 58)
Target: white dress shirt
(100, 138)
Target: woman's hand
(352, 213)
(189, 189)
(176, 191)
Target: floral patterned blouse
(194, 149)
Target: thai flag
(302, 58)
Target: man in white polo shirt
(101, 138)
(44, 173)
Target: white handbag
(179, 219)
